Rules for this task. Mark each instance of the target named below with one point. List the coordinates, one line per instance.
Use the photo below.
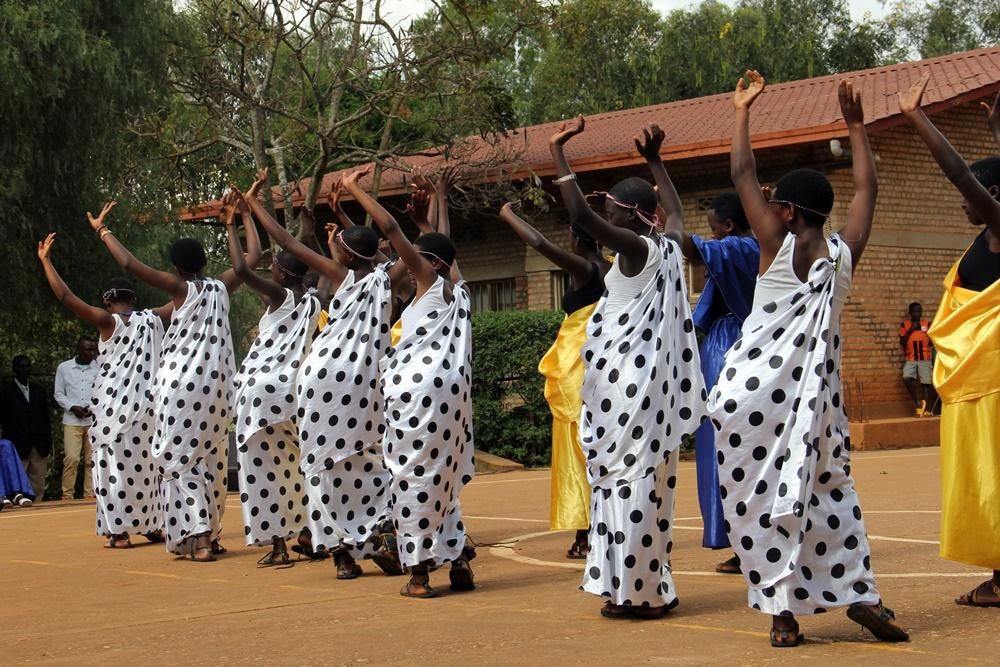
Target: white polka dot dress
(125, 478)
(272, 493)
(426, 379)
(192, 407)
(340, 417)
(642, 392)
(792, 512)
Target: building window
(558, 286)
(704, 203)
(696, 279)
(493, 295)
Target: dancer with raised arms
(642, 391)
(783, 445)
(125, 478)
(340, 413)
(427, 380)
(272, 492)
(192, 395)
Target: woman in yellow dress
(562, 367)
(966, 335)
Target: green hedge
(510, 416)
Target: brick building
(919, 225)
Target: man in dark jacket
(24, 420)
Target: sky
(400, 10)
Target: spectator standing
(24, 419)
(73, 387)
(918, 369)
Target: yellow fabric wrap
(966, 335)
(395, 332)
(322, 319)
(562, 367)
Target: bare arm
(766, 225)
(161, 280)
(422, 270)
(861, 211)
(272, 293)
(316, 261)
(442, 190)
(673, 213)
(577, 267)
(97, 317)
(629, 245)
(230, 277)
(164, 312)
(952, 164)
(307, 230)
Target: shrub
(511, 417)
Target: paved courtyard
(67, 601)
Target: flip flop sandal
(217, 547)
(309, 553)
(407, 591)
(784, 638)
(461, 576)
(880, 621)
(731, 566)
(616, 611)
(975, 597)
(280, 560)
(154, 536)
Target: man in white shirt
(74, 382)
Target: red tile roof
(785, 114)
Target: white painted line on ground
(881, 538)
(503, 518)
(508, 552)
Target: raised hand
(507, 210)
(351, 178)
(229, 206)
(98, 222)
(748, 88)
(45, 247)
(651, 142)
(421, 182)
(333, 197)
(568, 130)
(239, 201)
(261, 180)
(909, 101)
(446, 180)
(850, 103)
(416, 208)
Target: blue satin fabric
(732, 264)
(13, 479)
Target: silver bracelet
(565, 179)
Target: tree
(72, 73)
(596, 57)
(929, 29)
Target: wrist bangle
(104, 232)
(101, 229)
(565, 179)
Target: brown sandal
(731, 566)
(194, 548)
(879, 620)
(407, 590)
(980, 595)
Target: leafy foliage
(510, 415)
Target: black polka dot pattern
(125, 478)
(272, 492)
(426, 380)
(340, 415)
(631, 540)
(348, 502)
(784, 449)
(192, 403)
(643, 392)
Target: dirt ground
(67, 601)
